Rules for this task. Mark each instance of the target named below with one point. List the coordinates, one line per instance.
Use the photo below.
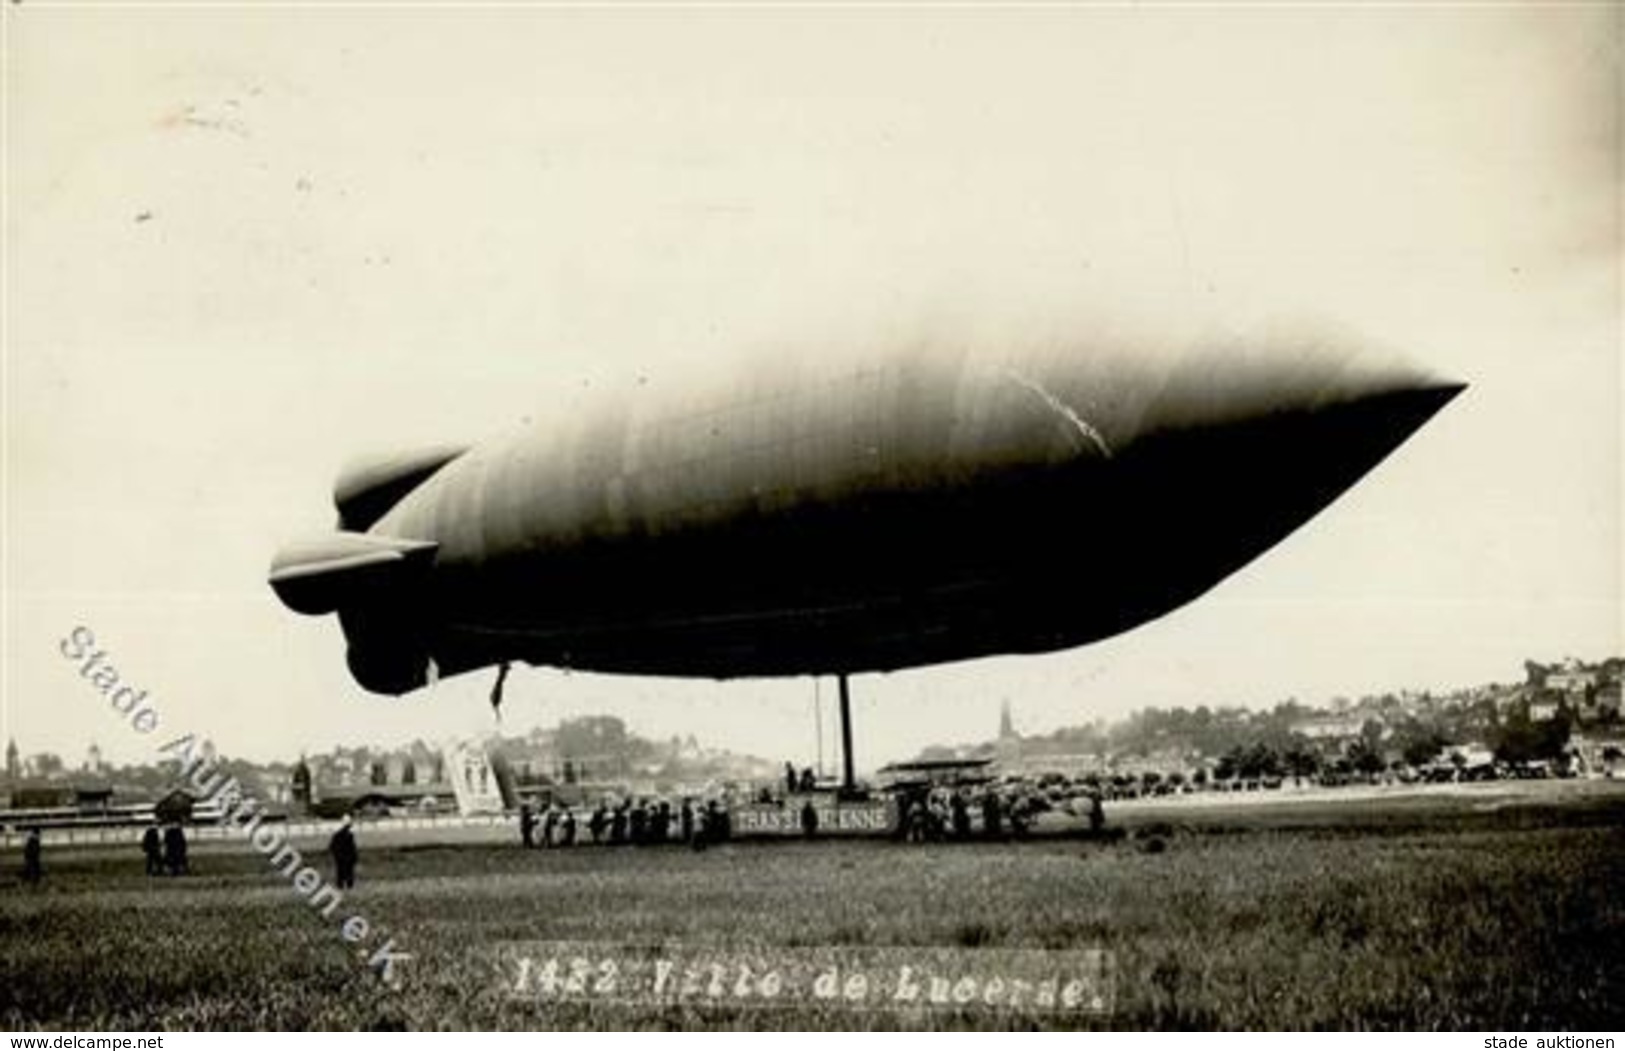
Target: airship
(831, 514)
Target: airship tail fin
(318, 576)
(367, 488)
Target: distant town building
(1598, 755)
(1345, 726)
(1543, 709)
(1572, 677)
(175, 806)
(300, 783)
(1605, 702)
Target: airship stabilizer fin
(368, 487)
(319, 575)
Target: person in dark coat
(918, 821)
(33, 855)
(152, 845)
(640, 824)
(809, 820)
(527, 826)
(617, 825)
(702, 829)
(175, 850)
(345, 854)
(992, 818)
(567, 829)
(686, 821)
(961, 815)
(1020, 811)
(595, 824)
(937, 817)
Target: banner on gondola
(870, 817)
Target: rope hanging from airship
(496, 690)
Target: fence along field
(1477, 911)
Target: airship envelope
(822, 513)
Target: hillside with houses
(1561, 719)
(577, 757)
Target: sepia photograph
(812, 517)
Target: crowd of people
(626, 822)
(923, 814)
(990, 811)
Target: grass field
(1483, 910)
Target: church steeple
(1007, 749)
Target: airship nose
(1303, 460)
(1208, 496)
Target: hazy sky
(243, 245)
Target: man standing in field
(345, 853)
(33, 867)
(527, 826)
(175, 850)
(152, 846)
